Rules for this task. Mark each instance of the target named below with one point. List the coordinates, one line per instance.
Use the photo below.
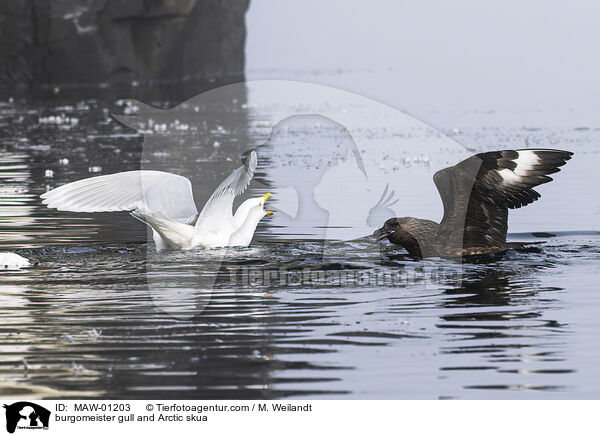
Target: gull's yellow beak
(266, 197)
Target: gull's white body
(165, 202)
(12, 261)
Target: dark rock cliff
(120, 42)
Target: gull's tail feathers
(167, 233)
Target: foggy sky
(442, 55)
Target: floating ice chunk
(95, 334)
(12, 261)
(77, 368)
(161, 154)
(59, 120)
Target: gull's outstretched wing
(143, 191)
(478, 192)
(217, 213)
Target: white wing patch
(508, 176)
(526, 161)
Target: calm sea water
(102, 315)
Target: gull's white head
(246, 218)
(263, 200)
(257, 210)
(242, 212)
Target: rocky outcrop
(83, 42)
